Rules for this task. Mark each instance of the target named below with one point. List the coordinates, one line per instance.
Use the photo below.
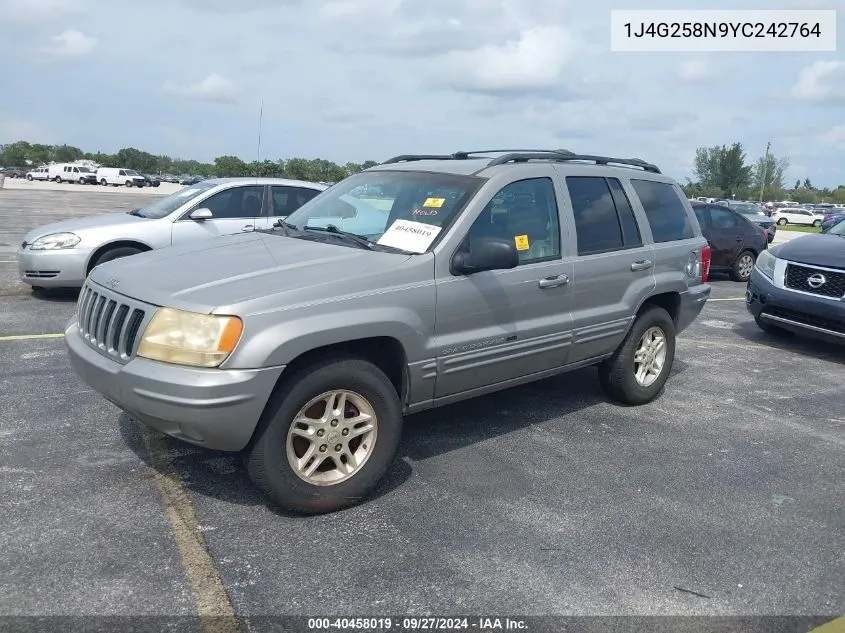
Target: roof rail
(411, 157)
(461, 155)
(524, 155)
(518, 157)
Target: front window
(168, 205)
(84, 170)
(401, 209)
(838, 229)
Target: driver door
(498, 325)
(238, 209)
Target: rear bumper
(61, 268)
(692, 302)
(215, 408)
(816, 317)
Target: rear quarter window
(664, 209)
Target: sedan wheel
(783, 221)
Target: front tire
(328, 436)
(128, 183)
(638, 370)
(104, 182)
(744, 264)
(29, 178)
(58, 180)
(115, 253)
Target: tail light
(705, 263)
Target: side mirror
(201, 214)
(487, 253)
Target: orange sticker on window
(434, 202)
(521, 242)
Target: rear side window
(701, 215)
(720, 219)
(604, 220)
(664, 209)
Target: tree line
(23, 154)
(720, 171)
(723, 171)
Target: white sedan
(791, 215)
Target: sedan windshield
(168, 205)
(407, 210)
(838, 229)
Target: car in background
(832, 219)
(796, 215)
(189, 180)
(151, 180)
(735, 241)
(40, 173)
(798, 287)
(754, 212)
(69, 172)
(61, 255)
(116, 176)
(14, 172)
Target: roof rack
(524, 155)
(569, 156)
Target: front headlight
(766, 264)
(55, 241)
(190, 338)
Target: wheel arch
(89, 265)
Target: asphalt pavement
(722, 497)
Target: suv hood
(231, 270)
(78, 224)
(818, 250)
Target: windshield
(838, 229)
(402, 209)
(131, 172)
(84, 170)
(168, 205)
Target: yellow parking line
(215, 609)
(834, 626)
(30, 337)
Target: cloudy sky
(367, 79)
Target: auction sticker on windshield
(415, 237)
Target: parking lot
(723, 497)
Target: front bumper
(816, 317)
(215, 408)
(60, 268)
(692, 302)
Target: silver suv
(417, 283)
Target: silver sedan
(61, 255)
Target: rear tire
(817, 223)
(783, 221)
(104, 182)
(115, 253)
(744, 264)
(58, 180)
(619, 374)
(274, 452)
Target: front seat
(252, 207)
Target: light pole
(765, 168)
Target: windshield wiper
(137, 213)
(363, 242)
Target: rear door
(285, 199)
(614, 269)
(727, 237)
(237, 209)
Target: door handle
(554, 281)
(248, 227)
(643, 264)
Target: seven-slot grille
(797, 278)
(109, 323)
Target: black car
(14, 172)
(757, 216)
(799, 287)
(735, 241)
(151, 181)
